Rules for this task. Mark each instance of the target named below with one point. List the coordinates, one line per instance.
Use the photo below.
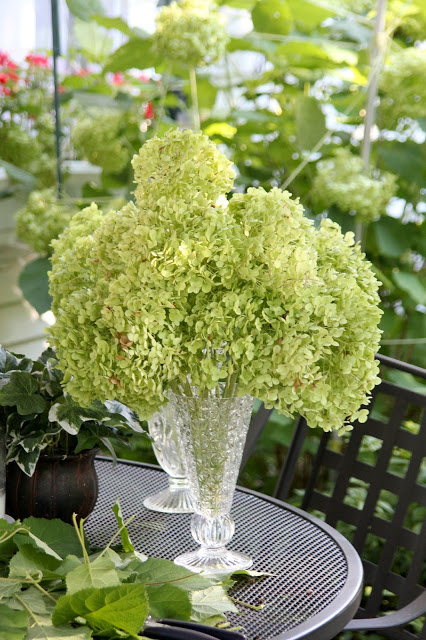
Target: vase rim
(62, 455)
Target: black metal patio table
(317, 576)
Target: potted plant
(214, 301)
(51, 441)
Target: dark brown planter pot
(60, 486)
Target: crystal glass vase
(213, 431)
(168, 451)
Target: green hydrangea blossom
(97, 137)
(179, 287)
(42, 219)
(340, 181)
(403, 87)
(189, 32)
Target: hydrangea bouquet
(214, 300)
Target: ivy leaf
(272, 16)
(210, 602)
(13, 624)
(70, 415)
(21, 392)
(101, 573)
(34, 284)
(122, 416)
(169, 601)
(13, 362)
(124, 607)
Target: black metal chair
(397, 427)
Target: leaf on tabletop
(13, 624)
(101, 573)
(124, 607)
(210, 602)
(124, 534)
(29, 560)
(157, 571)
(34, 284)
(42, 629)
(9, 586)
(70, 563)
(272, 16)
(34, 600)
(168, 601)
(20, 391)
(253, 574)
(58, 535)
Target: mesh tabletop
(314, 581)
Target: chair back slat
(395, 432)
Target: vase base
(170, 501)
(214, 561)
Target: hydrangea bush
(189, 32)
(43, 218)
(179, 287)
(340, 181)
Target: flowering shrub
(43, 218)
(26, 122)
(189, 32)
(180, 285)
(402, 85)
(340, 181)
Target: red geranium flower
(149, 111)
(118, 79)
(4, 78)
(5, 90)
(37, 60)
(143, 77)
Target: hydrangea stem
(376, 59)
(194, 99)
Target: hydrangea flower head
(189, 32)
(179, 287)
(340, 181)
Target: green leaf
(411, 284)
(9, 586)
(70, 415)
(20, 391)
(308, 15)
(13, 362)
(115, 23)
(13, 624)
(42, 629)
(85, 9)
(8, 547)
(34, 600)
(310, 122)
(100, 573)
(34, 284)
(272, 16)
(158, 570)
(168, 601)
(94, 42)
(134, 54)
(210, 602)
(124, 607)
(124, 534)
(32, 561)
(393, 237)
(406, 159)
(18, 174)
(58, 535)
